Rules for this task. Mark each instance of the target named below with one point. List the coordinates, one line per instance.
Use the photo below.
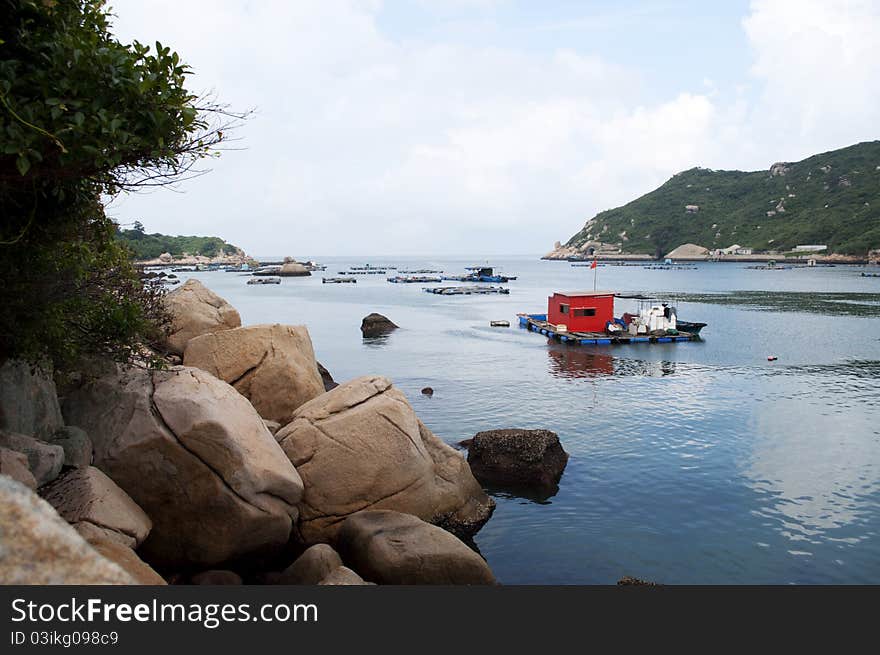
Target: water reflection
(811, 461)
(574, 362)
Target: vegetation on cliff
(150, 246)
(832, 199)
(83, 116)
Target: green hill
(832, 199)
(150, 246)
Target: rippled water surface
(690, 462)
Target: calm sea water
(690, 462)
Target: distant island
(827, 204)
(149, 247)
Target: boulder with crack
(195, 455)
(361, 446)
(273, 366)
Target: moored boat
(587, 317)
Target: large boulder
(376, 325)
(293, 269)
(273, 366)
(44, 460)
(28, 400)
(38, 547)
(15, 465)
(87, 495)
(196, 310)
(392, 548)
(195, 455)
(518, 459)
(361, 446)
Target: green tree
(83, 116)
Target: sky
(488, 127)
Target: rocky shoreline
(239, 462)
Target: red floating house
(581, 311)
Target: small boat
(499, 323)
(265, 280)
(687, 326)
(465, 291)
(338, 280)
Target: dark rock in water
(629, 581)
(376, 325)
(216, 577)
(465, 443)
(427, 391)
(329, 382)
(517, 459)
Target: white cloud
(363, 143)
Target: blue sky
(493, 126)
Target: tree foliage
(150, 246)
(83, 116)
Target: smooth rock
(44, 460)
(195, 455)
(38, 547)
(361, 446)
(315, 564)
(76, 445)
(376, 325)
(388, 547)
(216, 577)
(273, 366)
(293, 269)
(128, 561)
(344, 576)
(87, 495)
(517, 458)
(196, 310)
(28, 400)
(15, 465)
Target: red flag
(593, 265)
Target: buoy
(772, 358)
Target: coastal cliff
(830, 201)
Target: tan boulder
(343, 576)
(194, 454)
(361, 446)
(293, 269)
(38, 547)
(127, 560)
(87, 495)
(273, 366)
(393, 548)
(315, 564)
(15, 465)
(196, 310)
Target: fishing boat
(587, 317)
(338, 280)
(265, 280)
